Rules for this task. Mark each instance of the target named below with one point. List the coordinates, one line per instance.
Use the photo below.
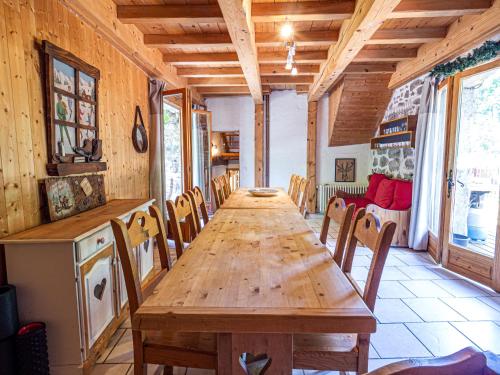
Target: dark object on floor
(8, 356)
(468, 361)
(31, 350)
(9, 322)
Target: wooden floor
(422, 310)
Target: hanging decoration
(486, 52)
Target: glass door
(201, 130)
(471, 216)
(177, 142)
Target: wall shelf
(66, 169)
(397, 133)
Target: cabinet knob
(100, 240)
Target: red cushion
(359, 202)
(385, 193)
(375, 180)
(402, 196)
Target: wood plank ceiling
(210, 41)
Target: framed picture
(345, 170)
(72, 91)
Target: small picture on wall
(64, 107)
(64, 76)
(86, 113)
(345, 170)
(86, 86)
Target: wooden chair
(181, 212)
(224, 186)
(467, 361)
(295, 188)
(292, 182)
(180, 349)
(303, 197)
(198, 204)
(349, 352)
(217, 193)
(301, 187)
(342, 215)
(227, 184)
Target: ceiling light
(294, 71)
(286, 30)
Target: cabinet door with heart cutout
(98, 295)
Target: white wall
(237, 113)
(287, 137)
(325, 155)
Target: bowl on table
(263, 192)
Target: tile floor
(422, 310)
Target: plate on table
(263, 192)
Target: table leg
(277, 347)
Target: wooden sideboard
(68, 275)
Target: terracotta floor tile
(114, 339)
(361, 261)
(491, 301)
(414, 259)
(374, 364)
(440, 338)
(393, 274)
(433, 310)
(359, 273)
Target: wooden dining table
(255, 277)
(242, 199)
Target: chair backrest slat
(367, 229)
(300, 191)
(342, 215)
(292, 182)
(304, 196)
(139, 229)
(181, 211)
(295, 188)
(217, 192)
(199, 205)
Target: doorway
(470, 239)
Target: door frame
(473, 265)
(186, 109)
(209, 130)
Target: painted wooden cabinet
(68, 274)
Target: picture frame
(345, 170)
(72, 111)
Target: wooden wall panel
(357, 106)
(23, 156)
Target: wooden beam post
(354, 33)
(465, 33)
(312, 111)
(237, 15)
(259, 145)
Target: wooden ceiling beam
(199, 40)
(286, 79)
(217, 81)
(210, 72)
(303, 69)
(303, 38)
(463, 35)
(367, 18)
(201, 58)
(439, 8)
(370, 68)
(228, 90)
(300, 57)
(237, 16)
(408, 36)
(386, 54)
(303, 11)
(192, 13)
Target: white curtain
(424, 167)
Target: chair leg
(168, 370)
(140, 368)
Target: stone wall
(399, 162)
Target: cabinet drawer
(93, 243)
(98, 284)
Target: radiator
(326, 191)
